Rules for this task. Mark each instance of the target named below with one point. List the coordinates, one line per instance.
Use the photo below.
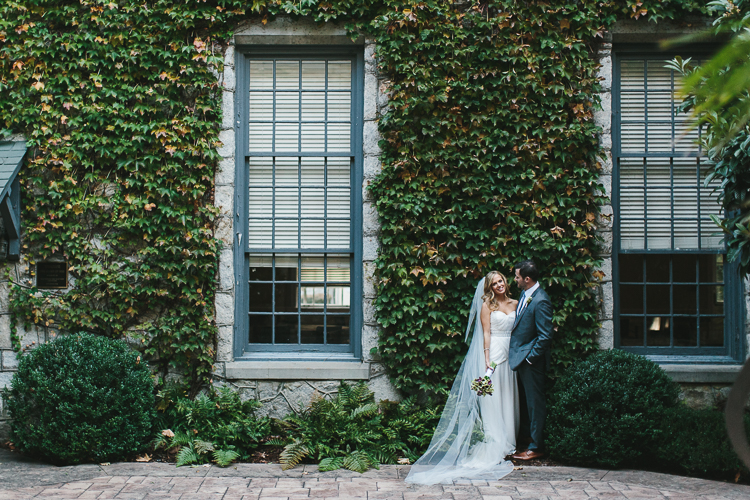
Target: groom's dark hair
(528, 269)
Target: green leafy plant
(215, 425)
(695, 442)
(608, 410)
(81, 398)
(354, 432)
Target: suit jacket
(531, 336)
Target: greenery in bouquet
(483, 385)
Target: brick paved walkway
(21, 480)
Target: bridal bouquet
(483, 385)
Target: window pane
(261, 268)
(657, 268)
(631, 299)
(313, 269)
(313, 74)
(286, 233)
(711, 268)
(337, 329)
(712, 332)
(287, 137)
(313, 137)
(658, 331)
(683, 268)
(313, 202)
(286, 297)
(685, 301)
(286, 171)
(337, 298)
(339, 171)
(339, 106)
(338, 233)
(287, 202)
(260, 171)
(313, 171)
(312, 234)
(261, 329)
(313, 298)
(259, 233)
(631, 268)
(686, 332)
(286, 267)
(338, 137)
(312, 329)
(314, 106)
(338, 268)
(287, 74)
(712, 299)
(287, 106)
(339, 75)
(286, 329)
(261, 106)
(657, 299)
(631, 332)
(261, 75)
(261, 135)
(260, 297)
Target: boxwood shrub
(81, 398)
(607, 410)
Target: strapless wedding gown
(499, 412)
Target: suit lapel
(523, 311)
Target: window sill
(703, 374)
(297, 370)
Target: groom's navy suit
(529, 356)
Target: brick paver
(21, 480)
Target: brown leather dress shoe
(528, 455)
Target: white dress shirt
(525, 296)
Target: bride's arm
(485, 316)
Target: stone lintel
(297, 40)
(297, 370)
(703, 374)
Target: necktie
(521, 300)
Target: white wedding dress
(475, 433)
(500, 411)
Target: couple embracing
(476, 433)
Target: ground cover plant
(216, 425)
(354, 432)
(81, 398)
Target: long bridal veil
(464, 446)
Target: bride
(476, 433)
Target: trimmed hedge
(608, 409)
(81, 398)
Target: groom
(529, 355)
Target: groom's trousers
(531, 378)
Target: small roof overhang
(11, 159)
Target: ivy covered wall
(490, 154)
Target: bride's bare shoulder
(513, 302)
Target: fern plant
(354, 432)
(214, 426)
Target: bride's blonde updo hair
(489, 296)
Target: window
(675, 296)
(300, 200)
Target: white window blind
(664, 203)
(300, 107)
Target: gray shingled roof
(11, 155)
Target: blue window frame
(676, 299)
(298, 262)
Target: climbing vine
(490, 154)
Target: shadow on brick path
(22, 479)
